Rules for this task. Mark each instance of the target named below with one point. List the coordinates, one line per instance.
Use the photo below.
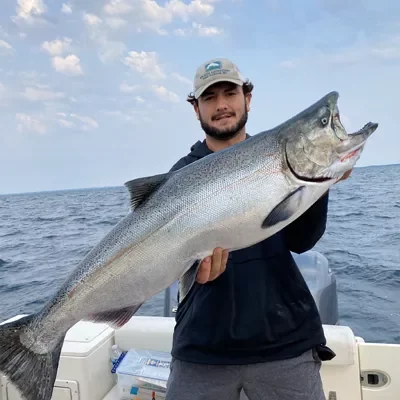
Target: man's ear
(196, 110)
(248, 101)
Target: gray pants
(293, 379)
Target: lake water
(44, 235)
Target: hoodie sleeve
(304, 233)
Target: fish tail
(31, 373)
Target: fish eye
(324, 121)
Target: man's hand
(212, 267)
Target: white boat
(360, 370)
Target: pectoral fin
(187, 280)
(285, 209)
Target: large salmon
(233, 198)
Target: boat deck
(360, 371)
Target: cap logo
(213, 65)
(215, 71)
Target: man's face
(222, 110)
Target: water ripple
(43, 236)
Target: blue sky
(92, 93)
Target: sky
(93, 92)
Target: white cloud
(121, 115)
(139, 99)
(28, 123)
(289, 64)
(199, 30)
(165, 95)
(118, 7)
(41, 86)
(3, 92)
(182, 79)
(342, 57)
(30, 77)
(110, 50)
(5, 48)
(26, 9)
(5, 45)
(66, 124)
(87, 122)
(66, 8)
(34, 94)
(136, 115)
(7, 95)
(206, 30)
(57, 47)
(116, 23)
(92, 19)
(193, 9)
(126, 88)
(149, 15)
(70, 65)
(3, 32)
(73, 120)
(387, 52)
(385, 49)
(146, 63)
(181, 32)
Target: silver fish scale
(168, 229)
(212, 173)
(198, 215)
(212, 202)
(224, 219)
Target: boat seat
(146, 332)
(343, 342)
(341, 375)
(155, 333)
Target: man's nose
(221, 103)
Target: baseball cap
(213, 71)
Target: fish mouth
(355, 141)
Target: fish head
(317, 146)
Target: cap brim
(201, 90)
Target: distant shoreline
(122, 186)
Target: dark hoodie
(260, 308)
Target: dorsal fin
(141, 188)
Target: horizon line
(121, 186)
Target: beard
(226, 133)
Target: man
(250, 321)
